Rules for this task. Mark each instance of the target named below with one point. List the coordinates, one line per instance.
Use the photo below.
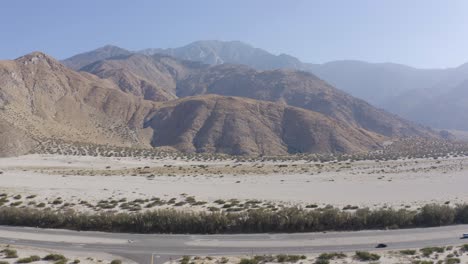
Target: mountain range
(115, 97)
(402, 90)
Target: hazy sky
(421, 33)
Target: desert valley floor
(102, 183)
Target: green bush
(330, 256)
(264, 258)
(185, 260)
(422, 262)
(29, 259)
(54, 257)
(281, 258)
(452, 261)
(464, 247)
(322, 261)
(289, 258)
(408, 252)
(427, 251)
(10, 253)
(248, 261)
(366, 256)
(116, 261)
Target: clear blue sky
(421, 33)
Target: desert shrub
(54, 257)
(35, 258)
(248, 261)
(29, 259)
(289, 258)
(116, 261)
(366, 256)
(185, 260)
(10, 253)
(57, 201)
(76, 261)
(264, 258)
(16, 203)
(422, 262)
(330, 256)
(464, 247)
(322, 261)
(281, 258)
(4, 262)
(408, 252)
(427, 251)
(452, 261)
(293, 258)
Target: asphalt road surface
(140, 247)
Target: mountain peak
(110, 47)
(37, 57)
(108, 51)
(35, 54)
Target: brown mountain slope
(237, 125)
(150, 77)
(295, 88)
(300, 89)
(42, 99)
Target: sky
(419, 33)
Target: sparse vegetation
(29, 259)
(330, 256)
(289, 258)
(55, 257)
(10, 253)
(248, 261)
(429, 250)
(408, 252)
(185, 260)
(366, 256)
(452, 260)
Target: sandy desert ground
(102, 183)
(446, 255)
(23, 252)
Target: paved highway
(140, 247)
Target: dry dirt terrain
(133, 184)
(446, 254)
(22, 254)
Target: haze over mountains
(125, 99)
(183, 78)
(400, 89)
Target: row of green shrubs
(252, 221)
